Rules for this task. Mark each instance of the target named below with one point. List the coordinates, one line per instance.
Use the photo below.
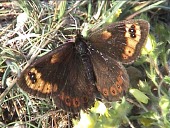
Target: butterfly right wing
(122, 40)
(111, 77)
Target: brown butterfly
(74, 73)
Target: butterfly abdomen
(82, 50)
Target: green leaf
(167, 79)
(140, 96)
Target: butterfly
(74, 73)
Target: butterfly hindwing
(111, 77)
(77, 91)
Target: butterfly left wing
(39, 78)
(60, 74)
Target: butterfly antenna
(76, 26)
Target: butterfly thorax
(83, 53)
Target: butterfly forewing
(121, 41)
(39, 78)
